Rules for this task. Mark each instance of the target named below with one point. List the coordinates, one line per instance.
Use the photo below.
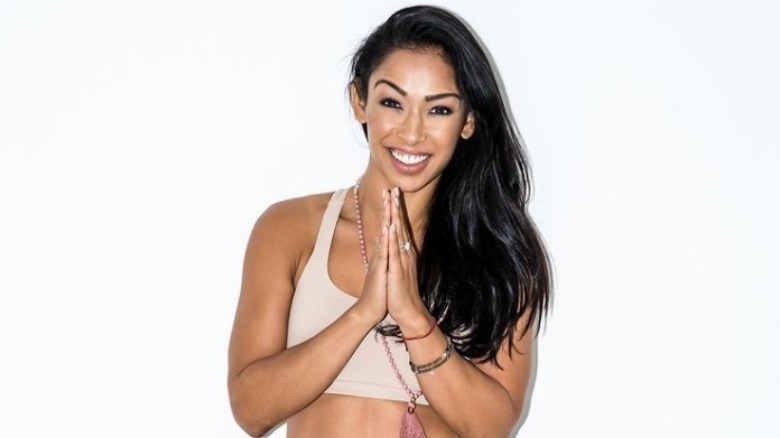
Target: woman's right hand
(372, 303)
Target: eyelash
(441, 110)
(390, 103)
(437, 110)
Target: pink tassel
(410, 424)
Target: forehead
(412, 69)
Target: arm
(473, 399)
(267, 382)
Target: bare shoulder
(294, 217)
(289, 228)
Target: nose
(412, 128)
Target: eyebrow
(404, 93)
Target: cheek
(379, 125)
(446, 133)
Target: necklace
(410, 425)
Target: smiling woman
(413, 115)
(434, 262)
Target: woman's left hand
(403, 298)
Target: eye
(441, 111)
(390, 103)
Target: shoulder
(294, 215)
(288, 229)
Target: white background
(139, 142)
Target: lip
(408, 169)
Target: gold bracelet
(429, 367)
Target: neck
(415, 202)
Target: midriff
(345, 416)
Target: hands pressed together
(391, 280)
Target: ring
(406, 246)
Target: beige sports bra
(317, 302)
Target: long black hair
(482, 264)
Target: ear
(468, 126)
(358, 105)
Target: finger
(383, 247)
(393, 259)
(375, 285)
(384, 221)
(379, 258)
(399, 219)
(386, 208)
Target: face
(415, 115)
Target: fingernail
(392, 228)
(384, 230)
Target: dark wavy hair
(482, 264)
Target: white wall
(139, 141)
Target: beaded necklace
(410, 425)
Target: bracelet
(414, 338)
(429, 367)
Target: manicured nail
(392, 228)
(384, 230)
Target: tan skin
(412, 106)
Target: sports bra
(317, 302)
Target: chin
(413, 184)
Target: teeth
(408, 158)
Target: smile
(409, 158)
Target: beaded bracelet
(429, 367)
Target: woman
(414, 295)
